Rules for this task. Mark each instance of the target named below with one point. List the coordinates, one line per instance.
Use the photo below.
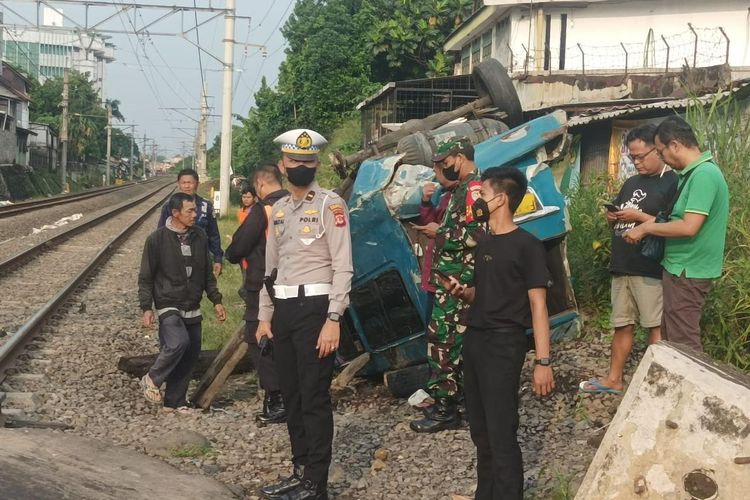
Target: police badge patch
(339, 216)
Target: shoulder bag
(653, 246)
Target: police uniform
(310, 247)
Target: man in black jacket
(175, 271)
(249, 243)
(187, 182)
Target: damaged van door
(388, 308)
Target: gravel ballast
(375, 454)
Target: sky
(165, 72)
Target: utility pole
(153, 158)
(64, 132)
(143, 154)
(226, 109)
(109, 139)
(200, 150)
(132, 147)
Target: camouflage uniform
(455, 242)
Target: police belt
(295, 291)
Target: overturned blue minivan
(386, 317)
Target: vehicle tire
(491, 79)
(406, 381)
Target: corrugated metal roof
(618, 110)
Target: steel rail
(27, 206)
(58, 238)
(13, 346)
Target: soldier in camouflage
(453, 257)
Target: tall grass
(215, 333)
(723, 127)
(589, 246)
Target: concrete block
(24, 400)
(679, 430)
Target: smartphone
(443, 276)
(610, 207)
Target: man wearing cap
(454, 243)
(309, 271)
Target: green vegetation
(722, 128)
(215, 334)
(589, 249)
(192, 451)
(319, 84)
(88, 118)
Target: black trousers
(305, 382)
(264, 365)
(180, 348)
(492, 372)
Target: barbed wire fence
(694, 47)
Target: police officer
(309, 253)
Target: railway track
(29, 206)
(36, 282)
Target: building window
(466, 60)
(7, 113)
(476, 50)
(502, 42)
(487, 45)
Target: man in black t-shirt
(508, 297)
(636, 279)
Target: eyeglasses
(641, 157)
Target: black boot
(442, 416)
(274, 411)
(285, 485)
(308, 490)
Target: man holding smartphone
(636, 279)
(508, 295)
(430, 219)
(454, 244)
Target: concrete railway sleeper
(45, 278)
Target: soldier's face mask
(451, 171)
(301, 176)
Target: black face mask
(480, 209)
(301, 176)
(451, 172)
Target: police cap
(301, 144)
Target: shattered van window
(385, 310)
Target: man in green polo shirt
(694, 235)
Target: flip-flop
(597, 387)
(150, 391)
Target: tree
(409, 40)
(339, 52)
(121, 144)
(115, 105)
(87, 117)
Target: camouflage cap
(452, 146)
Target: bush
(724, 129)
(589, 247)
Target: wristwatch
(334, 316)
(543, 362)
